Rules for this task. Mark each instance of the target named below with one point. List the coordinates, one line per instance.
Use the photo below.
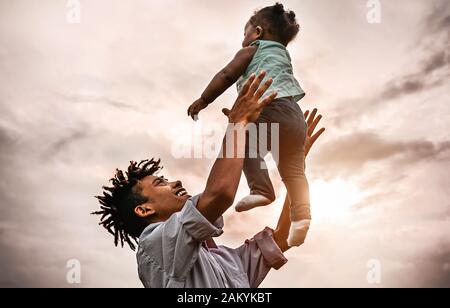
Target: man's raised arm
(225, 174)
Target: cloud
(433, 268)
(6, 142)
(349, 154)
(434, 42)
(63, 143)
(430, 70)
(8, 200)
(92, 99)
(424, 79)
(437, 61)
(438, 19)
(8, 147)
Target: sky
(78, 100)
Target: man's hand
(248, 105)
(196, 107)
(226, 173)
(312, 122)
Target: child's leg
(296, 183)
(261, 188)
(291, 166)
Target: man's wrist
(240, 122)
(280, 238)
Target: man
(175, 230)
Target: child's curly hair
(278, 22)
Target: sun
(332, 200)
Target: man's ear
(144, 210)
(259, 31)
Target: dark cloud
(34, 247)
(435, 62)
(431, 269)
(8, 276)
(8, 148)
(6, 141)
(438, 18)
(445, 24)
(349, 154)
(64, 142)
(4, 195)
(435, 42)
(422, 79)
(417, 151)
(430, 71)
(397, 88)
(92, 99)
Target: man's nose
(177, 184)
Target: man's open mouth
(181, 192)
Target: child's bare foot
(252, 201)
(298, 232)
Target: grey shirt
(180, 253)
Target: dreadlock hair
(119, 201)
(280, 24)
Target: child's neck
(272, 39)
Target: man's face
(165, 198)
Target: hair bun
(278, 8)
(291, 16)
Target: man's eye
(161, 181)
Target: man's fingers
(194, 115)
(255, 84)
(263, 88)
(306, 115)
(247, 84)
(312, 116)
(314, 124)
(269, 99)
(317, 135)
(226, 111)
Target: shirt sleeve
(173, 246)
(259, 255)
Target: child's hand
(196, 107)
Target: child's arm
(224, 79)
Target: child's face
(251, 34)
